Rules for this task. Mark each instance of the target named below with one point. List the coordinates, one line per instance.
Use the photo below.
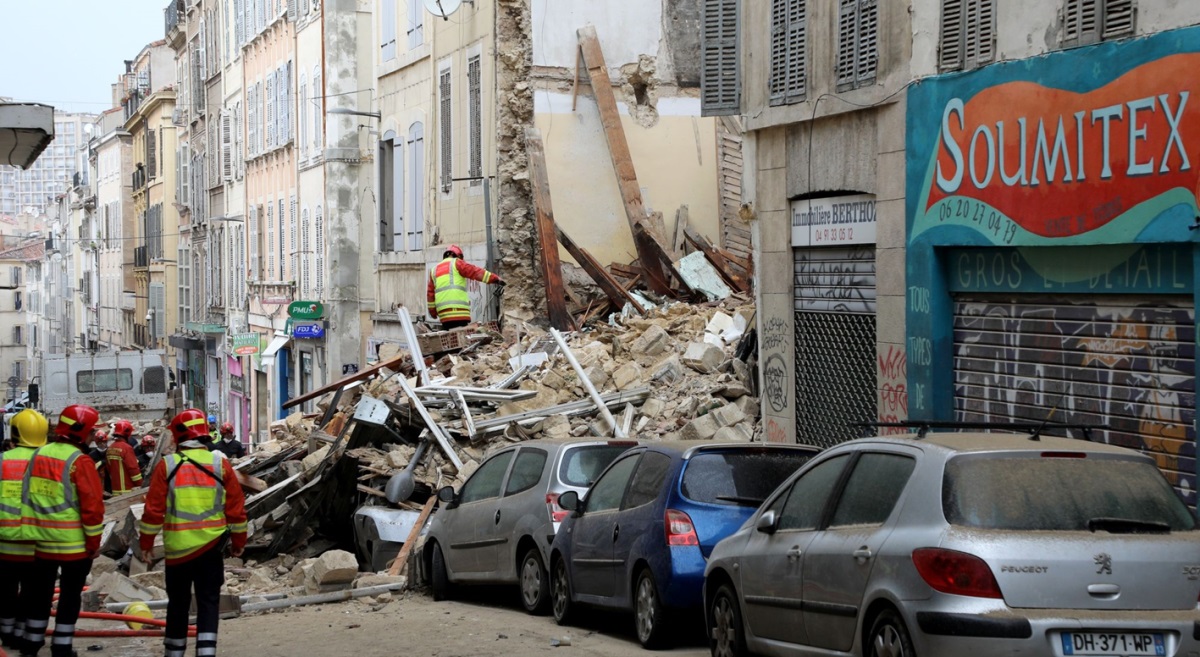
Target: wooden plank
(393, 364)
(618, 149)
(252, 484)
(656, 253)
(371, 491)
(409, 543)
(625, 271)
(613, 290)
(556, 300)
(116, 507)
(718, 261)
(682, 221)
(735, 259)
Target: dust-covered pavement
(489, 622)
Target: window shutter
(270, 240)
(777, 82)
(185, 192)
(416, 195)
(397, 236)
(255, 235)
(248, 21)
(238, 160)
(292, 230)
(867, 48)
(291, 11)
(305, 252)
(978, 41)
(720, 78)
(445, 126)
(151, 155)
(271, 110)
(226, 146)
(951, 56)
(280, 252)
(239, 12)
(302, 115)
(1118, 18)
(416, 24)
(796, 75)
(291, 99)
(251, 119)
(319, 229)
(387, 30)
(475, 103)
(847, 31)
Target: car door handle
(497, 517)
(863, 553)
(616, 533)
(794, 553)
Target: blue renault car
(639, 539)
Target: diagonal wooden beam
(556, 299)
(717, 260)
(616, 294)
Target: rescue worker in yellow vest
(63, 510)
(196, 502)
(446, 293)
(28, 430)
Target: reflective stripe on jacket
(195, 514)
(50, 504)
(450, 292)
(13, 465)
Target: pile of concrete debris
(386, 439)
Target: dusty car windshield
(741, 478)
(582, 465)
(1061, 494)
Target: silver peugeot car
(972, 544)
(498, 528)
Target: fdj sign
(308, 331)
(306, 310)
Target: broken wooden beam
(625, 271)
(556, 299)
(718, 261)
(682, 222)
(410, 542)
(654, 251)
(616, 294)
(393, 364)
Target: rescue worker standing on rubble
(229, 445)
(124, 475)
(447, 289)
(196, 502)
(28, 430)
(63, 511)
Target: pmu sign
(306, 310)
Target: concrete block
(668, 370)
(653, 407)
(701, 428)
(334, 567)
(652, 342)
(151, 579)
(596, 375)
(734, 391)
(627, 376)
(749, 405)
(367, 580)
(313, 460)
(556, 427)
(704, 358)
(734, 434)
(728, 415)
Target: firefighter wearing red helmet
(447, 290)
(195, 501)
(229, 443)
(124, 475)
(63, 511)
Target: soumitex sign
(834, 221)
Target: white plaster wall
(633, 29)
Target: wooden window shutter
(151, 155)
(226, 146)
(847, 42)
(720, 79)
(777, 83)
(796, 78)
(387, 30)
(446, 118)
(255, 235)
(475, 117)
(867, 48)
(270, 110)
(950, 57)
(1081, 22)
(1118, 19)
(979, 33)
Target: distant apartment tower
(30, 192)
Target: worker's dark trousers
(71, 577)
(206, 573)
(448, 324)
(14, 582)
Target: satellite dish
(442, 8)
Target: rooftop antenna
(1036, 435)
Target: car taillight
(557, 513)
(957, 573)
(680, 530)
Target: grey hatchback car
(498, 528)
(962, 544)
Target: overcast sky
(68, 53)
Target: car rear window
(582, 465)
(739, 478)
(1061, 494)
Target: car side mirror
(446, 494)
(570, 501)
(767, 523)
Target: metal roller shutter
(835, 342)
(1126, 364)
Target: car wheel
(535, 582)
(648, 614)
(440, 578)
(889, 637)
(727, 638)
(560, 593)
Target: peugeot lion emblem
(1104, 563)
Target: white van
(132, 385)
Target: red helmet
(123, 429)
(76, 422)
(226, 428)
(188, 425)
(454, 250)
(149, 442)
(100, 437)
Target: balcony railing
(141, 257)
(174, 13)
